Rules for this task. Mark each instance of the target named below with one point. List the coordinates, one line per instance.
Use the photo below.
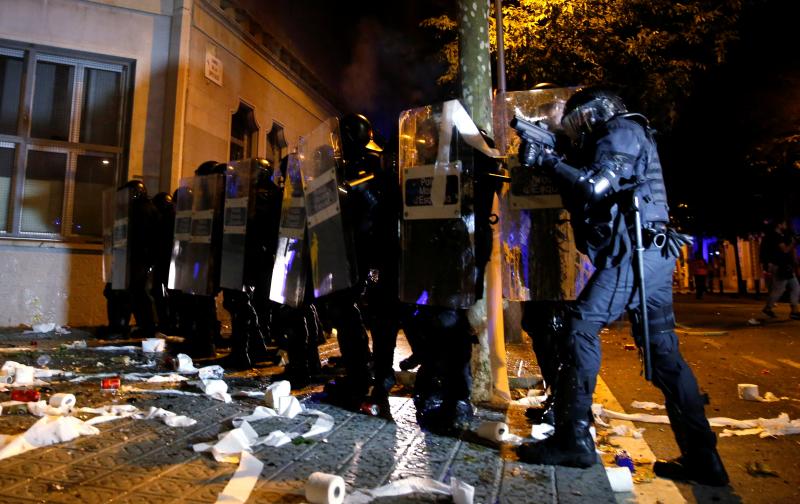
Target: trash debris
(323, 488)
(183, 364)
(647, 405)
(215, 389)
(625, 431)
(542, 431)
(43, 328)
(754, 322)
(111, 384)
(620, 479)
(169, 418)
(243, 480)
(749, 392)
(108, 348)
(62, 401)
(43, 360)
(623, 459)
(629, 346)
(230, 444)
(461, 492)
(170, 378)
(782, 425)
(25, 395)
(276, 390)
(493, 431)
(370, 409)
(760, 469)
(210, 373)
(46, 431)
(153, 345)
(75, 345)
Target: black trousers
(608, 294)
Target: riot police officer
(134, 258)
(164, 236)
(616, 162)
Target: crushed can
(25, 395)
(370, 409)
(15, 409)
(623, 459)
(110, 384)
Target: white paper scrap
(185, 364)
(115, 348)
(170, 378)
(397, 488)
(75, 345)
(647, 405)
(244, 479)
(46, 431)
(169, 418)
(542, 431)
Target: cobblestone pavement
(145, 461)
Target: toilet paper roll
(493, 431)
(323, 488)
(62, 401)
(24, 375)
(748, 392)
(153, 345)
(620, 479)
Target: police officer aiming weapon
(613, 187)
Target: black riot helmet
(358, 138)
(137, 189)
(266, 175)
(589, 108)
(210, 168)
(162, 201)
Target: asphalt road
(725, 349)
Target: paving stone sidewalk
(145, 461)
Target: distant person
(699, 269)
(781, 266)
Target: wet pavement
(147, 461)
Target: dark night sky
(381, 62)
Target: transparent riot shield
(181, 264)
(120, 262)
(205, 250)
(437, 232)
(330, 243)
(288, 282)
(240, 187)
(538, 254)
(108, 233)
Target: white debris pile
(781, 425)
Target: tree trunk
(490, 378)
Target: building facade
(97, 92)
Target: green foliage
(651, 49)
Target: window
(63, 118)
(244, 133)
(276, 144)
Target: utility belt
(654, 235)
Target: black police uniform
(623, 160)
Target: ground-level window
(63, 134)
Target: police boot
(705, 468)
(572, 446)
(239, 358)
(544, 414)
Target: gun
(534, 131)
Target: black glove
(674, 242)
(537, 155)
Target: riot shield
(181, 264)
(120, 262)
(108, 233)
(330, 243)
(288, 282)
(437, 232)
(539, 258)
(240, 196)
(208, 198)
